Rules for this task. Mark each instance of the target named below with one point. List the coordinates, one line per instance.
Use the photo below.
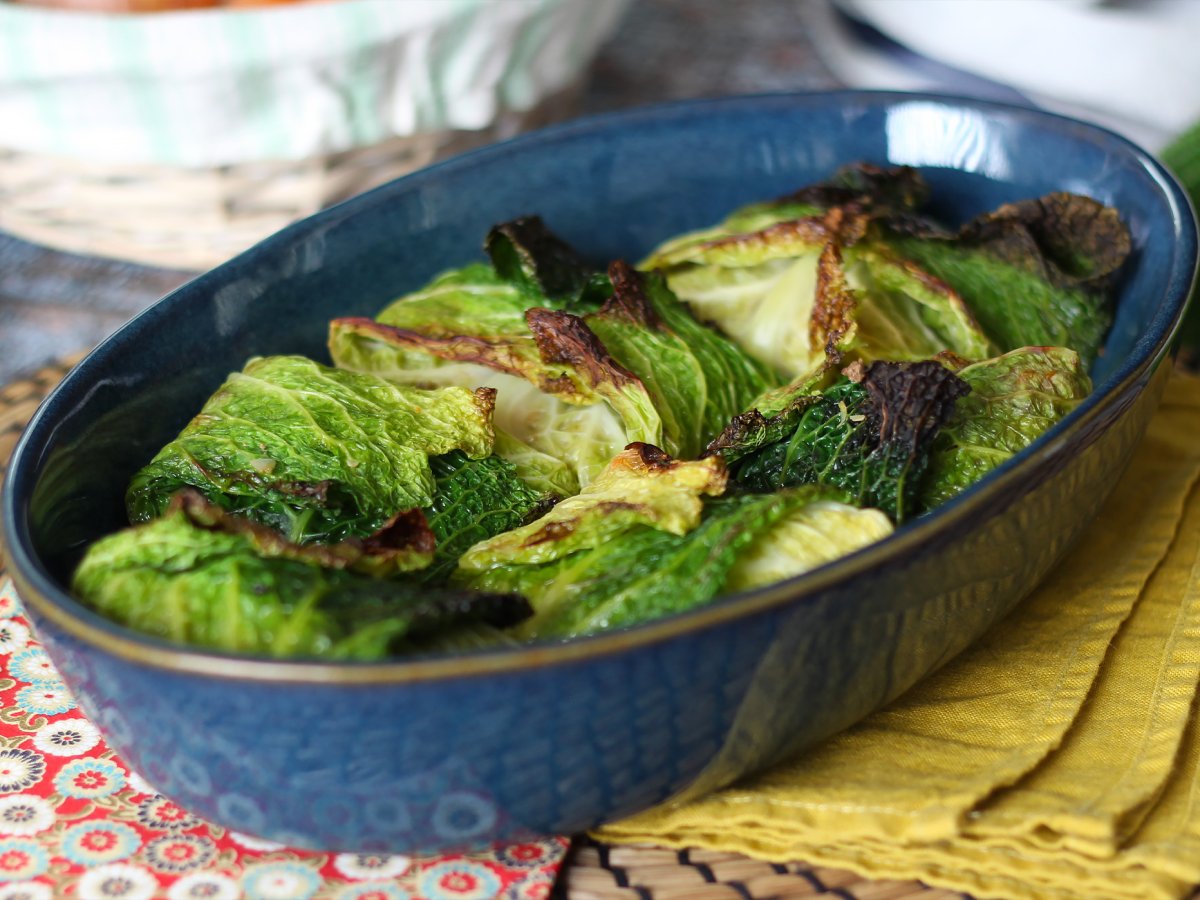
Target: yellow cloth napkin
(1056, 758)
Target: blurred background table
(53, 304)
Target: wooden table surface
(53, 304)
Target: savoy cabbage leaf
(641, 486)
(527, 254)
(563, 408)
(1035, 273)
(696, 377)
(197, 581)
(774, 290)
(320, 454)
(805, 538)
(869, 435)
(643, 572)
(1014, 399)
(475, 499)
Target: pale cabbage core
(766, 308)
(807, 538)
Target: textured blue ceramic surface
(446, 753)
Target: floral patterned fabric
(75, 821)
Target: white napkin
(1132, 66)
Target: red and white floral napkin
(76, 821)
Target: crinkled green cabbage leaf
(777, 291)
(475, 499)
(185, 581)
(1034, 273)
(870, 436)
(406, 543)
(641, 486)
(900, 313)
(563, 409)
(320, 454)
(642, 573)
(696, 376)
(580, 439)
(1014, 399)
(758, 287)
(564, 406)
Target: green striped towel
(208, 87)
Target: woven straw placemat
(596, 871)
(20, 399)
(593, 871)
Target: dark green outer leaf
(825, 439)
(320, 454)
(403, 544)
(172, 579)
(526, 253)
(1035, 273)
(870, 439)
(1015, 307)
(475, 499)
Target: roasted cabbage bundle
(620, 360)
(536, 447)
(641, 542)
(854, 262)
(198, 576)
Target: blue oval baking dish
(447, 752)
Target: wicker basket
(194, 218)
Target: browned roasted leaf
(565, 340)
(912, 400)
(834, 303)
(1081, 238)
(403, 543)
(892, 187)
